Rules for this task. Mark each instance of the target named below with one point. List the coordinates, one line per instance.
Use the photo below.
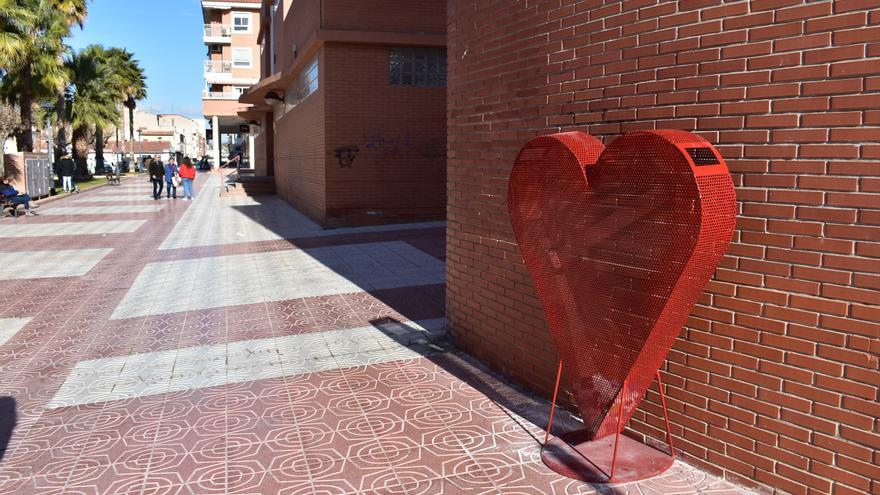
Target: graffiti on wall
(346, 155)
(380, 141)
(384, 142)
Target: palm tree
(108, 61)
(90, 101)
(74, 10)
(136, 90)
(129, 83)
(14, 21)
(31, 50)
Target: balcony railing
(218, 31)
(220, 95)
(218, 67)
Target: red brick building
(351, 108)
(774, 380)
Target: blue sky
(166, 38)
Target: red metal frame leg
(575, 455)
(553, 404)
(665, 415)
(617, 433)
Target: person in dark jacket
(170, 186)
(8, 192)
(157, 177)
(67, 168)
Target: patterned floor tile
(229, 374)
(69, 228)
(49, 264)
(101, 210)
(277, 276)
(238, 219)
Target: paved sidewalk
(232, 346)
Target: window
(241, 22)
(241, 58)
(291, 96)
(215, 48)
(308, 79)
(418, 66)
(304, 85)
(239, 90)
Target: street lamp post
(49, 155)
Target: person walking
(171, 175)
(157, 177)
(187, 174)
(67, 168)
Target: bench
(5, 203)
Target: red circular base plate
(590, 461)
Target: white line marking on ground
(154, 373)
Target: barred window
(308, 79)
(418, 66)
(304, 85)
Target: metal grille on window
(308, 79)
(418, 66)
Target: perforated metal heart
(620, 242)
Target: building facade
(160, 135)
(232, 65)
(351, 108)
(774, 380)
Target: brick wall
(399, 16)
(299, 153)
(259, 161)
(300, 23)
(399, 173)
(774, 380)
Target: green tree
(14, 22)
(129, 84)
(9, 123)
(135, 84)
(75, 11)
(90, 102)
(31, 54)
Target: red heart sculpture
(620, 242)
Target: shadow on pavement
(8, 420)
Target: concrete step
(250, 186)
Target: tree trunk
(60, 144)
(121, 149)
(81, 152)
(132, 166)
(24, 136)
(99, 150)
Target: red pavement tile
(411, 427)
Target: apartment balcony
(218, 71)
(220, 95)
(218, 67)
(223, 72)
(218, 33)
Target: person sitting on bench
(10, 194)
